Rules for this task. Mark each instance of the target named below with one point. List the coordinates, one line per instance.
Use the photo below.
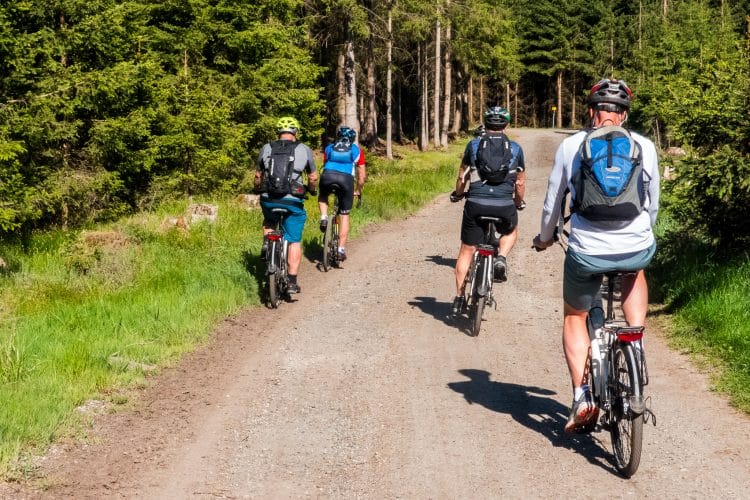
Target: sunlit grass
(80, 321)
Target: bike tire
(626, 429)
(328, 255)
(476, 309)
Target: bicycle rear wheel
(329, 255)
(626, 425)
(478, 301)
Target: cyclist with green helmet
(298, 159)
(488, 199)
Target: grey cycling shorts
(582, 275)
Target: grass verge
(85, 314)
(707, 296)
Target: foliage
(83, 314)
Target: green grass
(707, 295)
(73, 315)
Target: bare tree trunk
(507, 96)
(389, 86)
(459, 102)
(447, 95)
(482, 104)
(350, 116)
(424, 135)
(558, 118)
(370, 134)
(515, 104)
(436, 86)
(573, 120)
(470, 103)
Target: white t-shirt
(600, 237)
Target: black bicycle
(277, 267)
(479, 279)
(331, 256)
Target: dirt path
(364, 389)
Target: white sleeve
(556, 186)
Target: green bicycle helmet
(287, 124)
(496, 118)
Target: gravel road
(363, 388)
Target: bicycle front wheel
(626, 425)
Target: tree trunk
(482, 104)
(515, 104)
(558, 118)
(573, 120)
(348, 98)
(370, 134)
(447, 95)
(459, 103)
(507, 96)
(470, 103)
(424, 134)
(436, 86)
(389, 87)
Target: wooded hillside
(107, 106)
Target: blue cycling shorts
(582, 275)
(293, 223)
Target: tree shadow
(441, 261)
(531, 407)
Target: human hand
(455, 197)
(540, 245)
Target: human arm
(519, 189)
(651, 159)
(259, 168)
(557, 185)
(361, 171)
(312, 172)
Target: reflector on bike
(630, 333)
(485, 252)
(274, 236)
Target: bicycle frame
(277, 265)
(479, 279)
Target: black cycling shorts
(472, 231)
(345, 183)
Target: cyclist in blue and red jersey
(343, 161)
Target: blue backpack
(609, 185)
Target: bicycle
(479, 279)
(331, 256)
(277, 267)
(617, 371)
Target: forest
(110, 107)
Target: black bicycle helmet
(607, 91)
(496, 118)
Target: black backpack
(609, 184)
(493, 158)
(280, 168)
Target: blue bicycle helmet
(347, 133)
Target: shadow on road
(438, 310)
(441, 261)
(443, 311)
(531, 407)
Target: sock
(579, 391)
(293, 278)
(323, 217)
(342, 249)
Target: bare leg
(294, 256)
(635, 298)
(575, 343)
(465, 253)
(507, 241)
(343, 229)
